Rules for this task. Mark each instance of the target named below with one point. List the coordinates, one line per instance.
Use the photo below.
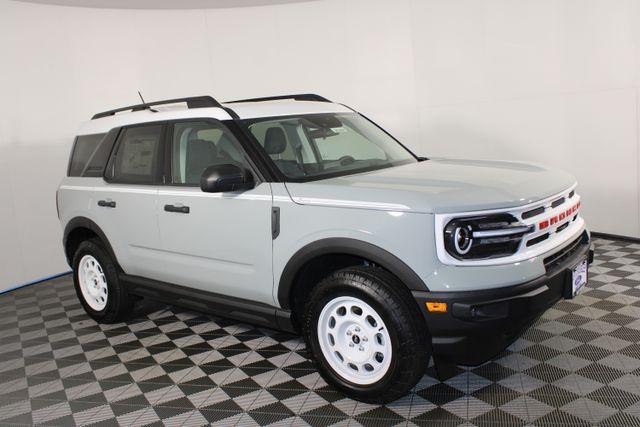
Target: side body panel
(131, 226)
(76, 199)
(407, 236)
(222, 245)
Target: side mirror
(227, 177)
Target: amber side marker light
(436, 307)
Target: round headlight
(458, 237)
(462, 239)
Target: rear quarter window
(90, 154)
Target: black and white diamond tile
(578, 365)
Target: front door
(216, 242)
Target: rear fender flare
(83, 222)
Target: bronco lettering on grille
(557, 218)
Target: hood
(437, 186)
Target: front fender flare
(345, 246)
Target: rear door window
(138, 158)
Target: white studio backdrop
(550, 81)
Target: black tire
(119, 303)
(393, 303)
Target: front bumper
(480, 324)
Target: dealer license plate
(579, 277)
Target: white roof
(245, 110)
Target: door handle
(107, 203)
(177, 209)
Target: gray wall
(549, 81)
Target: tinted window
(137, 160)
(84, 149)
(198, 145)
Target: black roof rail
(192, 102)
(295, 97)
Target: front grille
(554, 260)
(541, 226)
(549, 220)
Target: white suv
(300, 214)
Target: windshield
(313, 146)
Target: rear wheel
(366, 334)
(95, 277)
(93, 283)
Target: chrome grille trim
(502, 232)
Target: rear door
(126, 200)
(216, 242)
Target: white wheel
(93, 283)
(354, 340)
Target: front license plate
(578, 277)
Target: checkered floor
(578, 365)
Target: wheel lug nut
(365, 339)
(348, 332)
(357, 329)
(361, 348)
(350, 344)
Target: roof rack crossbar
(295, 97)
(192, 102)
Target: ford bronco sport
(296, 213)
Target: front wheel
(366, 334)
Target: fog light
(436, 307)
